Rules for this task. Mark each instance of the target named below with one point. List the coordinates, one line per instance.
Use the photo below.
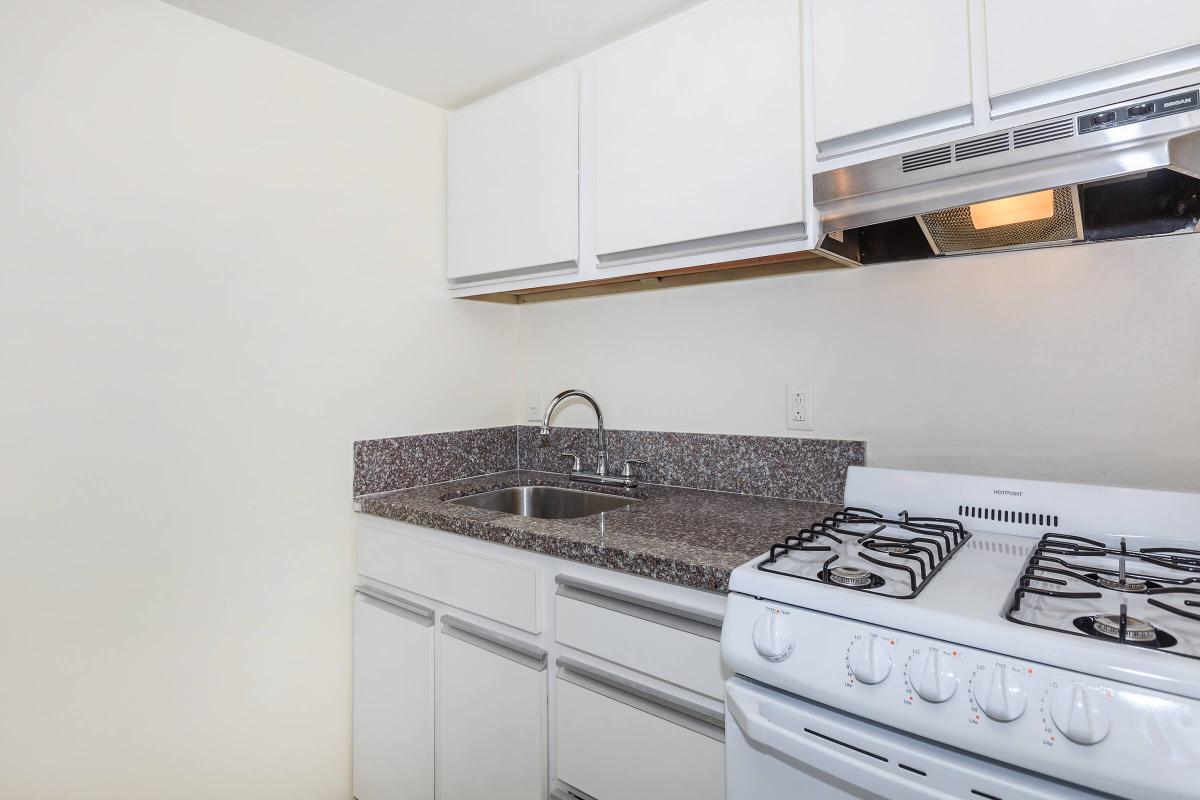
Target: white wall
(220, 263)
(1078, 364)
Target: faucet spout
(601, 440)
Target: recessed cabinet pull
(664, 612)
(425, 615)
(708, 719)
(501, 644)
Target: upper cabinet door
(513, 180)
(698, 133)
(888, 71)
(1042, 52)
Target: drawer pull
(501, 644)
(664, 612)
(699, 717)
(421, 613)
(573, 794)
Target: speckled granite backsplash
(769, 466)
(381, 465)
(786, 467)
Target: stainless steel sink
(545, 502)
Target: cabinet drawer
(685, 651)
(504, 591)
(615, 751)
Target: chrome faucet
(626, 478)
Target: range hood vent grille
(983, 146)
(925, 159)
(1002, 142)
(1043, 132)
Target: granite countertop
(690, 537)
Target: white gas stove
(954, 636)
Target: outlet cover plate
(533, 405)
(798, 405)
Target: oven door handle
(828, 757)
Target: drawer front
(504, 591)
(613, 751)
(685, 659)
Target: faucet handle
(575, 465)
(629, 462)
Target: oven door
(781, 746)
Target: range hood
(1116, 172)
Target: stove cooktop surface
(1134, 591)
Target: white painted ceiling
(447, 52)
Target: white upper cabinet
(1041, 52)
(888, 71)
(698, 136)
(513, 180)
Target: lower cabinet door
(492, 717)
(615, 751)
(393, 699)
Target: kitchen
(239, 253)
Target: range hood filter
(952, 231)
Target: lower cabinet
(492, 710)
(616, 745)
(604, 684)
(393, 698)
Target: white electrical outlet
(533, 405)
(799, 406)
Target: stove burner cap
(851, 576)
(1130, 584)
(1136, 630)
(890, 549)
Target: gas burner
(853, 577)
(1126, 585)
(1137, 631)
(890, 549)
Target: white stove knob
(773, 637)
(1076, 714)
(933, 676)
(869, 660)
(1000, 695)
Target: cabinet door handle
(501, 644)
(674, 615)
(708, 719)
(424, 615)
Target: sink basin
(545, 502)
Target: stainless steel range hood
(1115, 172)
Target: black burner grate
(1050, 565)
(908, 547)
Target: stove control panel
(1079, 728)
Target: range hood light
(1013, 210)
